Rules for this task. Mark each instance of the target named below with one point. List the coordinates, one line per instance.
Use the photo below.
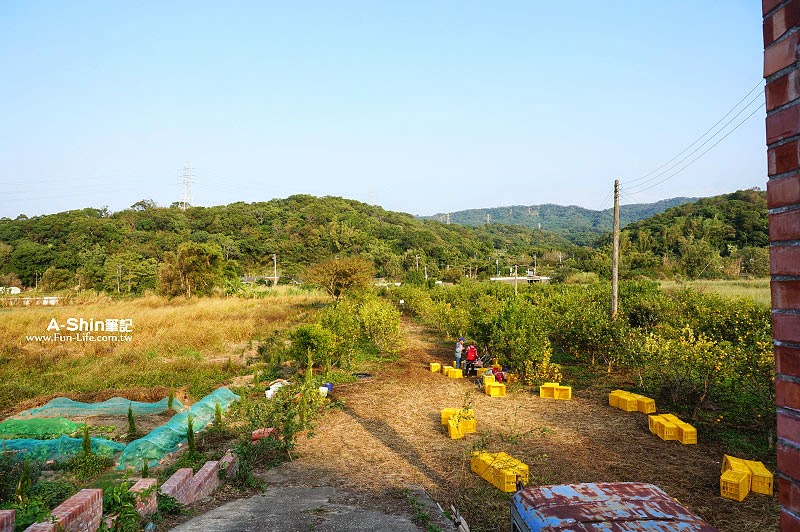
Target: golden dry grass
(197, 343)
(755, 289)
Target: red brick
(769, 5)
(41, 527)
(145, 505)
(7, 520)
(783, 90)
(786, 327)
(780, 22)
(784, 226)
(788, 460)
(177, 486)
(205, 481)
(787, 393)
(784, 260)
(787, 360)
(789, 492)
(785, 191)
(785, 295)
(783, 124)
(789, 427)
(781, 54)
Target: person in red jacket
(470, 359)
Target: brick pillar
(781, 54)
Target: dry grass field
(755, 289)
(195, 345)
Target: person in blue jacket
(458, 350)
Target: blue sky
(420, 107)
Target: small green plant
(190, 443)
(119, 503)
(87, 466)
(168, 505)
(145, 469)
(171, 399)
(87, 441)
(217, 415)
(131, 420)
(22, 494)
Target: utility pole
(615, 254)
(416, 258)
(515, 280)
(275, 270)
(426, 272)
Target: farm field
(385, 435)
(755, 289)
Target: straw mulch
(388, 436)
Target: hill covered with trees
(122, 251)
(579, 225)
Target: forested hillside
(725, 234)
(581, 226)
(121, 252)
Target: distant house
(10, 290)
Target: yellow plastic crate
(687, 434)
(455, 374)
(613, 397)
(735, 464)
(480, 371)
(447, 369)
(734, 485)
(651, 422)
(487, 378)
(500, 469)
(548, 390)
(666, 430)
(436, 367)
(454, 428)
(672, 418)
(645, 404)
(495, 389)
(447, 413)
(468, 425)
(563, 392)
(761, 478)
(628, 403)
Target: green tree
(196, 269)
(337, 276)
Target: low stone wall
(83, 512)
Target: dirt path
(388, 436)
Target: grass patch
(755, 289)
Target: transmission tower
(187, 198)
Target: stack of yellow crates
(459, 421)
(554, 390)
(500, 469)
(631, 402)
(670, 427)
(740, 477)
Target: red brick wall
(205, 481)
(146, 504)
(7, 520)
(80, 513)
(177, 486)
(781, 54)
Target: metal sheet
(612, 507)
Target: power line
(709, 139)
(702, 136)
(699, 156)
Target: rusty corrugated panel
(612, 507)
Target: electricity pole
(275, 270)
(186, 180)
(615, 254)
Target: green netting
(165, 439)
(116, 406)
(40, 429)
(59, 449)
